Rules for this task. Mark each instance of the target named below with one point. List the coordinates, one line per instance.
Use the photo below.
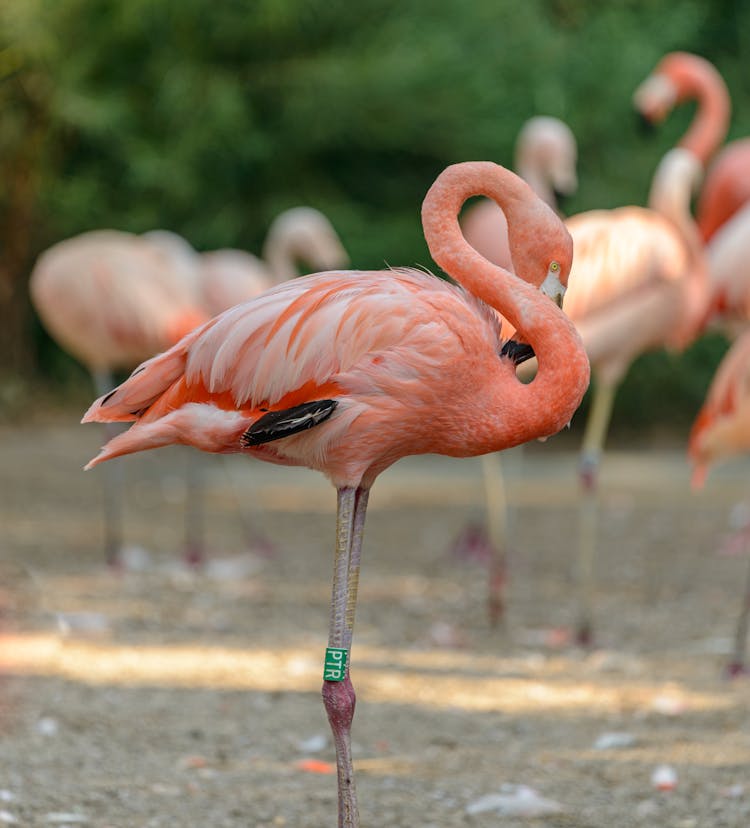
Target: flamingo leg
(594, 436)
(338, 695)
(736, 666)
(112, 486)
(195, 512)
(496, 504)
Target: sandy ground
(164, 697)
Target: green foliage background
(209, 117)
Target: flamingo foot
(194, 556)
(339, 700)
(585, 635)
(496, 603)
(735, 670)
(473, 544)
(262, 547)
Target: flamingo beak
(553, 288)
(654, 98)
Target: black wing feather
(278, 424)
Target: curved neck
(529, 168)
(676, 179)
(278, 255)
(674, 182)
(549, 400)
(697, 79)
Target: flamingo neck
(677, 177)
(530, 169)
(697, 79)
(278, 255)
(545, 405)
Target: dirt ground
(166, 697)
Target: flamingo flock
(346, 372)
(113, 299)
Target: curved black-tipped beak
(644, 124)
(517, 352)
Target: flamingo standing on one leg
(545, 157)
(348, 372)
(109, 300)
(638, 283)
(722, 429)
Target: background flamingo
(638, 282)
(680, 77)
(721, 430)
(545, 157)
(723, 210)
(224, 278)
(346, 373)
(111, 300)
(298, 235)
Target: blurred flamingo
(721, 430)
(723, 209)
(111, 301)
(300, 234)
(346, 372)
(638, 283)
(545, 157)
(228, 277)
(680, 77)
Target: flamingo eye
(554, 267)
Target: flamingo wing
(722, 426)
(357, 338)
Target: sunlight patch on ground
(403, 678)
(727, 753)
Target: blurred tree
(208, 118)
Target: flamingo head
(541, 257)
(546, 156)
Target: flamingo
(723, 209)
(722, 429)
(110, 300)
(545, 157)
(346, 372)
(229, 277)
(679, 77)
(638, 283)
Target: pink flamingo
(346, 372)
(110, 300)
(722, 429)
(638, 283)
(723, 210)
(545, 157)
(680, 77)
(300, 234)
